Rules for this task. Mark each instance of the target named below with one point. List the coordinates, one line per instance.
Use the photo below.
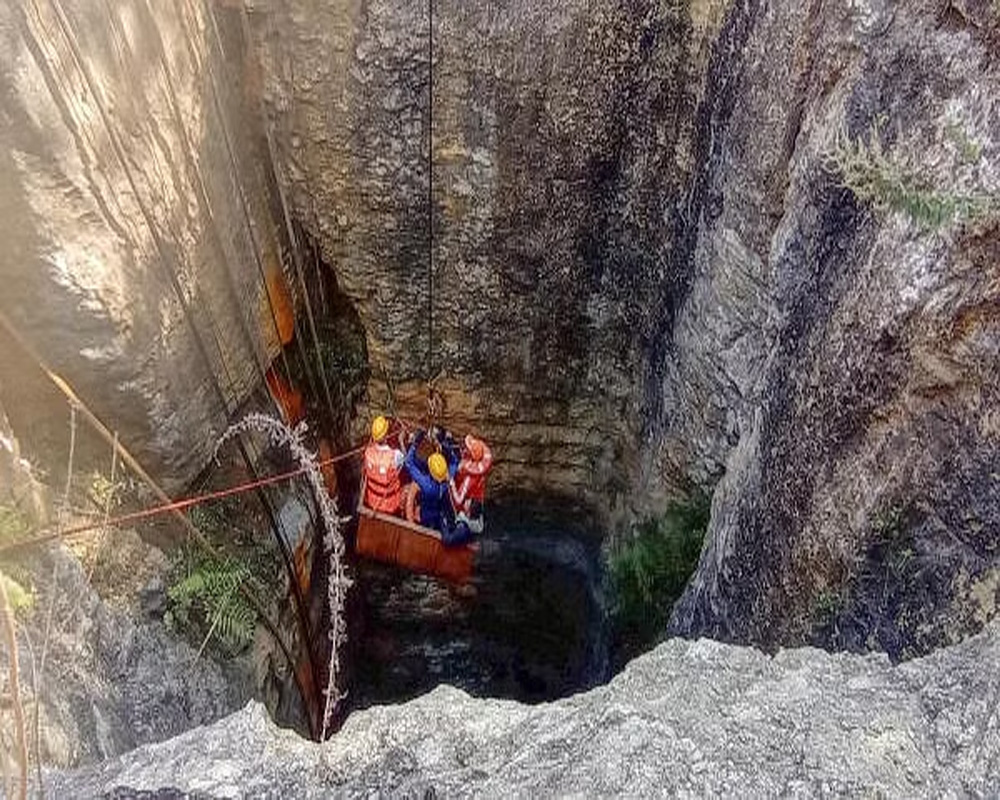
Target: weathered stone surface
(112, 679)
(646, 273)
(134, 211)
(690, 718)
(835, 365)
(557, 163)
(645, 270)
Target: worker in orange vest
(468, 487)
(382, 464)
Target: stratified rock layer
(560, 149)
(690, 718)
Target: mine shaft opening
(530, 625)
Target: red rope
(177, 505)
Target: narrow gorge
(717, 280)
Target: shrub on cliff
(649, 573)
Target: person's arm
(410, 459)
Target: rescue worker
(468, 488)
(382, 463)
(432, 479)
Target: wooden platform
(394, 540)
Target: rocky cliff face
(99, 674)
(646, 270)
(692, 718)
(561, 139)
(136, 223)
(835, 364)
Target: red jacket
(470, 481)
(382, 489)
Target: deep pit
(531, 626)
(647, 250)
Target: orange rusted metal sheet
(281, 313)
(393, 540)
(290, 400)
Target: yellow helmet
(380, 427)
(438, 467)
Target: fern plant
(338, 582)
(210, 594)
(889, 183)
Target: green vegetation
(889, 183)
(207, 600)
(969, 150)
(650, 572)
(204, 595)
(19, 597)
(13, 524)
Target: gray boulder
(690, 718)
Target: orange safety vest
(470, 481)
(382, 489)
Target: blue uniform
(435, 503)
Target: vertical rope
(430, 189)
(195, 172)
(20, 737)
(69, 461)
(107, 510)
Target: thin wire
(72, 450)
(198, 178)
(234, 170)
(293, 241)
(176, 505)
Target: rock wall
(137, 222)
(112, 676)
(560, 150)
(690, 718)
(646, 272)
(836, 364)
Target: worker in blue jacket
(432, 479)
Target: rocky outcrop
(136, 223)
(835, 364)
(111, 677)
(100, 673)
(646, 270)
(692, 718)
